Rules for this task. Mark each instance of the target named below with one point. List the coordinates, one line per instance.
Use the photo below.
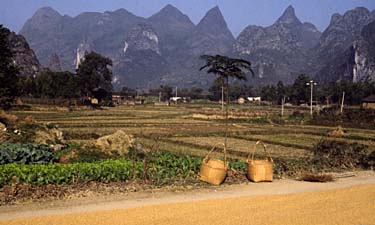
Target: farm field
(177, 129)
(165, 149)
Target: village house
(368, 102)
(118, 98)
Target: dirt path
(346, 201)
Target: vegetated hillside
(165, 48)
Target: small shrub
(371, 160)
(292, 167)
(278, 120)
(50, 125)
(78, 152)
(339, 154)
(297, 113)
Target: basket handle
(255, 147)
(213, 149)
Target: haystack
(119, 142)
(337, 133)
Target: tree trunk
(226, 119)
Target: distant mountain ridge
(280, 51)
(165, 47)
(157, 48)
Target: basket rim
(216, 168)
(259, 160)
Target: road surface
(346, 201)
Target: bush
(339, 154)
(371, 160)
(25, 154)
(360, 118)
(292, 167)
(79, 152)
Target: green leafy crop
(25, 154)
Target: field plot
(179, 131)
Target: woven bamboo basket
(213, 171)
(259, 170)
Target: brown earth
(346, 201)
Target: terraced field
(178, 129)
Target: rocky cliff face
(83, 48)
(364, 55)
(280, 51)
(54, 63)
(23, 56)
(335, 53)
(142, 37)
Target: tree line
(92, 77)
(298, 92)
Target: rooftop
(370, 98)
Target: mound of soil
(8, 119)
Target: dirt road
(347, 201)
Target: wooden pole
(311, 99)
(342, 102)
(222, 97)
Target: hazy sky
(237, 13)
